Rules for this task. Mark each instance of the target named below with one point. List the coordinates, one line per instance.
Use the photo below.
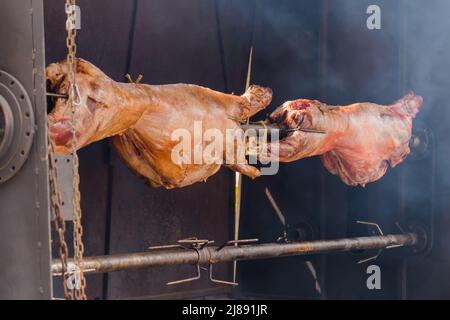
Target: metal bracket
(197, 277)
(230, 283)
(192, 243)
(377, 227)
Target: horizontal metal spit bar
(211, 255)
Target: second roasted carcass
(142, 119)
(359, 141)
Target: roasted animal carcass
(359, 142)
(142, 118)
(360, 139)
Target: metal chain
(60, 224)
(79, 290)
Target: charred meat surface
(141, 119)
(361, 140)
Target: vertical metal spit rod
(238, 176)
(211, 255)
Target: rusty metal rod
(210, 255)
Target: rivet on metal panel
(16, 126)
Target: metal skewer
(238, 176)
(274, 126)
(310, 130)
(57, 95)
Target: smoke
(324, 50)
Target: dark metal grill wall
(326, 52)
(168, 42)
(24, 207)
(309, 49)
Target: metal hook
(217, 280)
(371, 258)
(77, 95)
(236, 242)
(377, 226)
(187, 279)
(372, 224)
(397, 245)
(313, 272)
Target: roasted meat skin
(361, 139)
(360, 142)
(141, 118)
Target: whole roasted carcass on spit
(142, 118)
(358, 141)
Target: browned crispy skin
(141, 119)
(361, 139)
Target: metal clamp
(196, 244)
(192, 243)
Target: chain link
(60, 224)
(79, 290)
